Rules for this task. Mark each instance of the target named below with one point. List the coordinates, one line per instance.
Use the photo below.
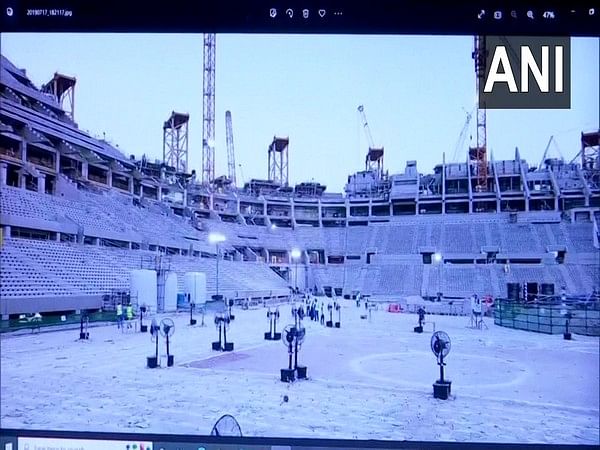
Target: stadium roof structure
(49, 119)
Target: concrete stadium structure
(78, 216)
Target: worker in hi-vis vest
(129, 312)
(119, 315)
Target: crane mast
(208, 120)
(478, 155)
(230, 148)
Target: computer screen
(299, 225)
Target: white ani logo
(528, 64)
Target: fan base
(337, 325)
(143, 328)
(567, 336)
(193, 321)
(363, 316)
(301, 372)
(329, 324)
(152, 362)
(170, 360)
(268, 336)
(228, 347)
(418, 329)
(287, 375)
(84, 336)
(216, 346)
(441, 389)
(231, 317)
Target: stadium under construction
(79, 217)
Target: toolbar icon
(591, 11)
(9, 13)
(273, 13)
(497, 15)
(548, 15)
(481, 14)
(305, 13)
(322, 13)
(289, 12)
(530, 14)
(513, 14)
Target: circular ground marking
(415, 369)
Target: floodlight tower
(208, 94)
(63, 88)
(478, 155)
(278, 160)
(175, 141)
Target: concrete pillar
(159, 193)
(3, 173)
(130, 185)
(57, 236)
(6, 231)
(41, 183)
(84, 170)
(141, 190)
(23, 148)
(57, 163)
(185, 197)
(109, 177)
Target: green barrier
(549, 318)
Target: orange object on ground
(394, 308)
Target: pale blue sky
(415, 90)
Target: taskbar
(11, 439)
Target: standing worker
(476, 308)
(129, 314)
(119, 315)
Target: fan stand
(288, 375)
(419, 329)
(227, 346)
(300, 370)
(152, 361)
(192, 320)
(338, 308)
(272, 334)
(567, 334)
(329, 323)
(143, 328)
(442, 388)
(217, 344)
(170, 358)
(83, 328)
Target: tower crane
(208, 113)
(478, 154)
(230, 148)
(463, 134)
(374, 158)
